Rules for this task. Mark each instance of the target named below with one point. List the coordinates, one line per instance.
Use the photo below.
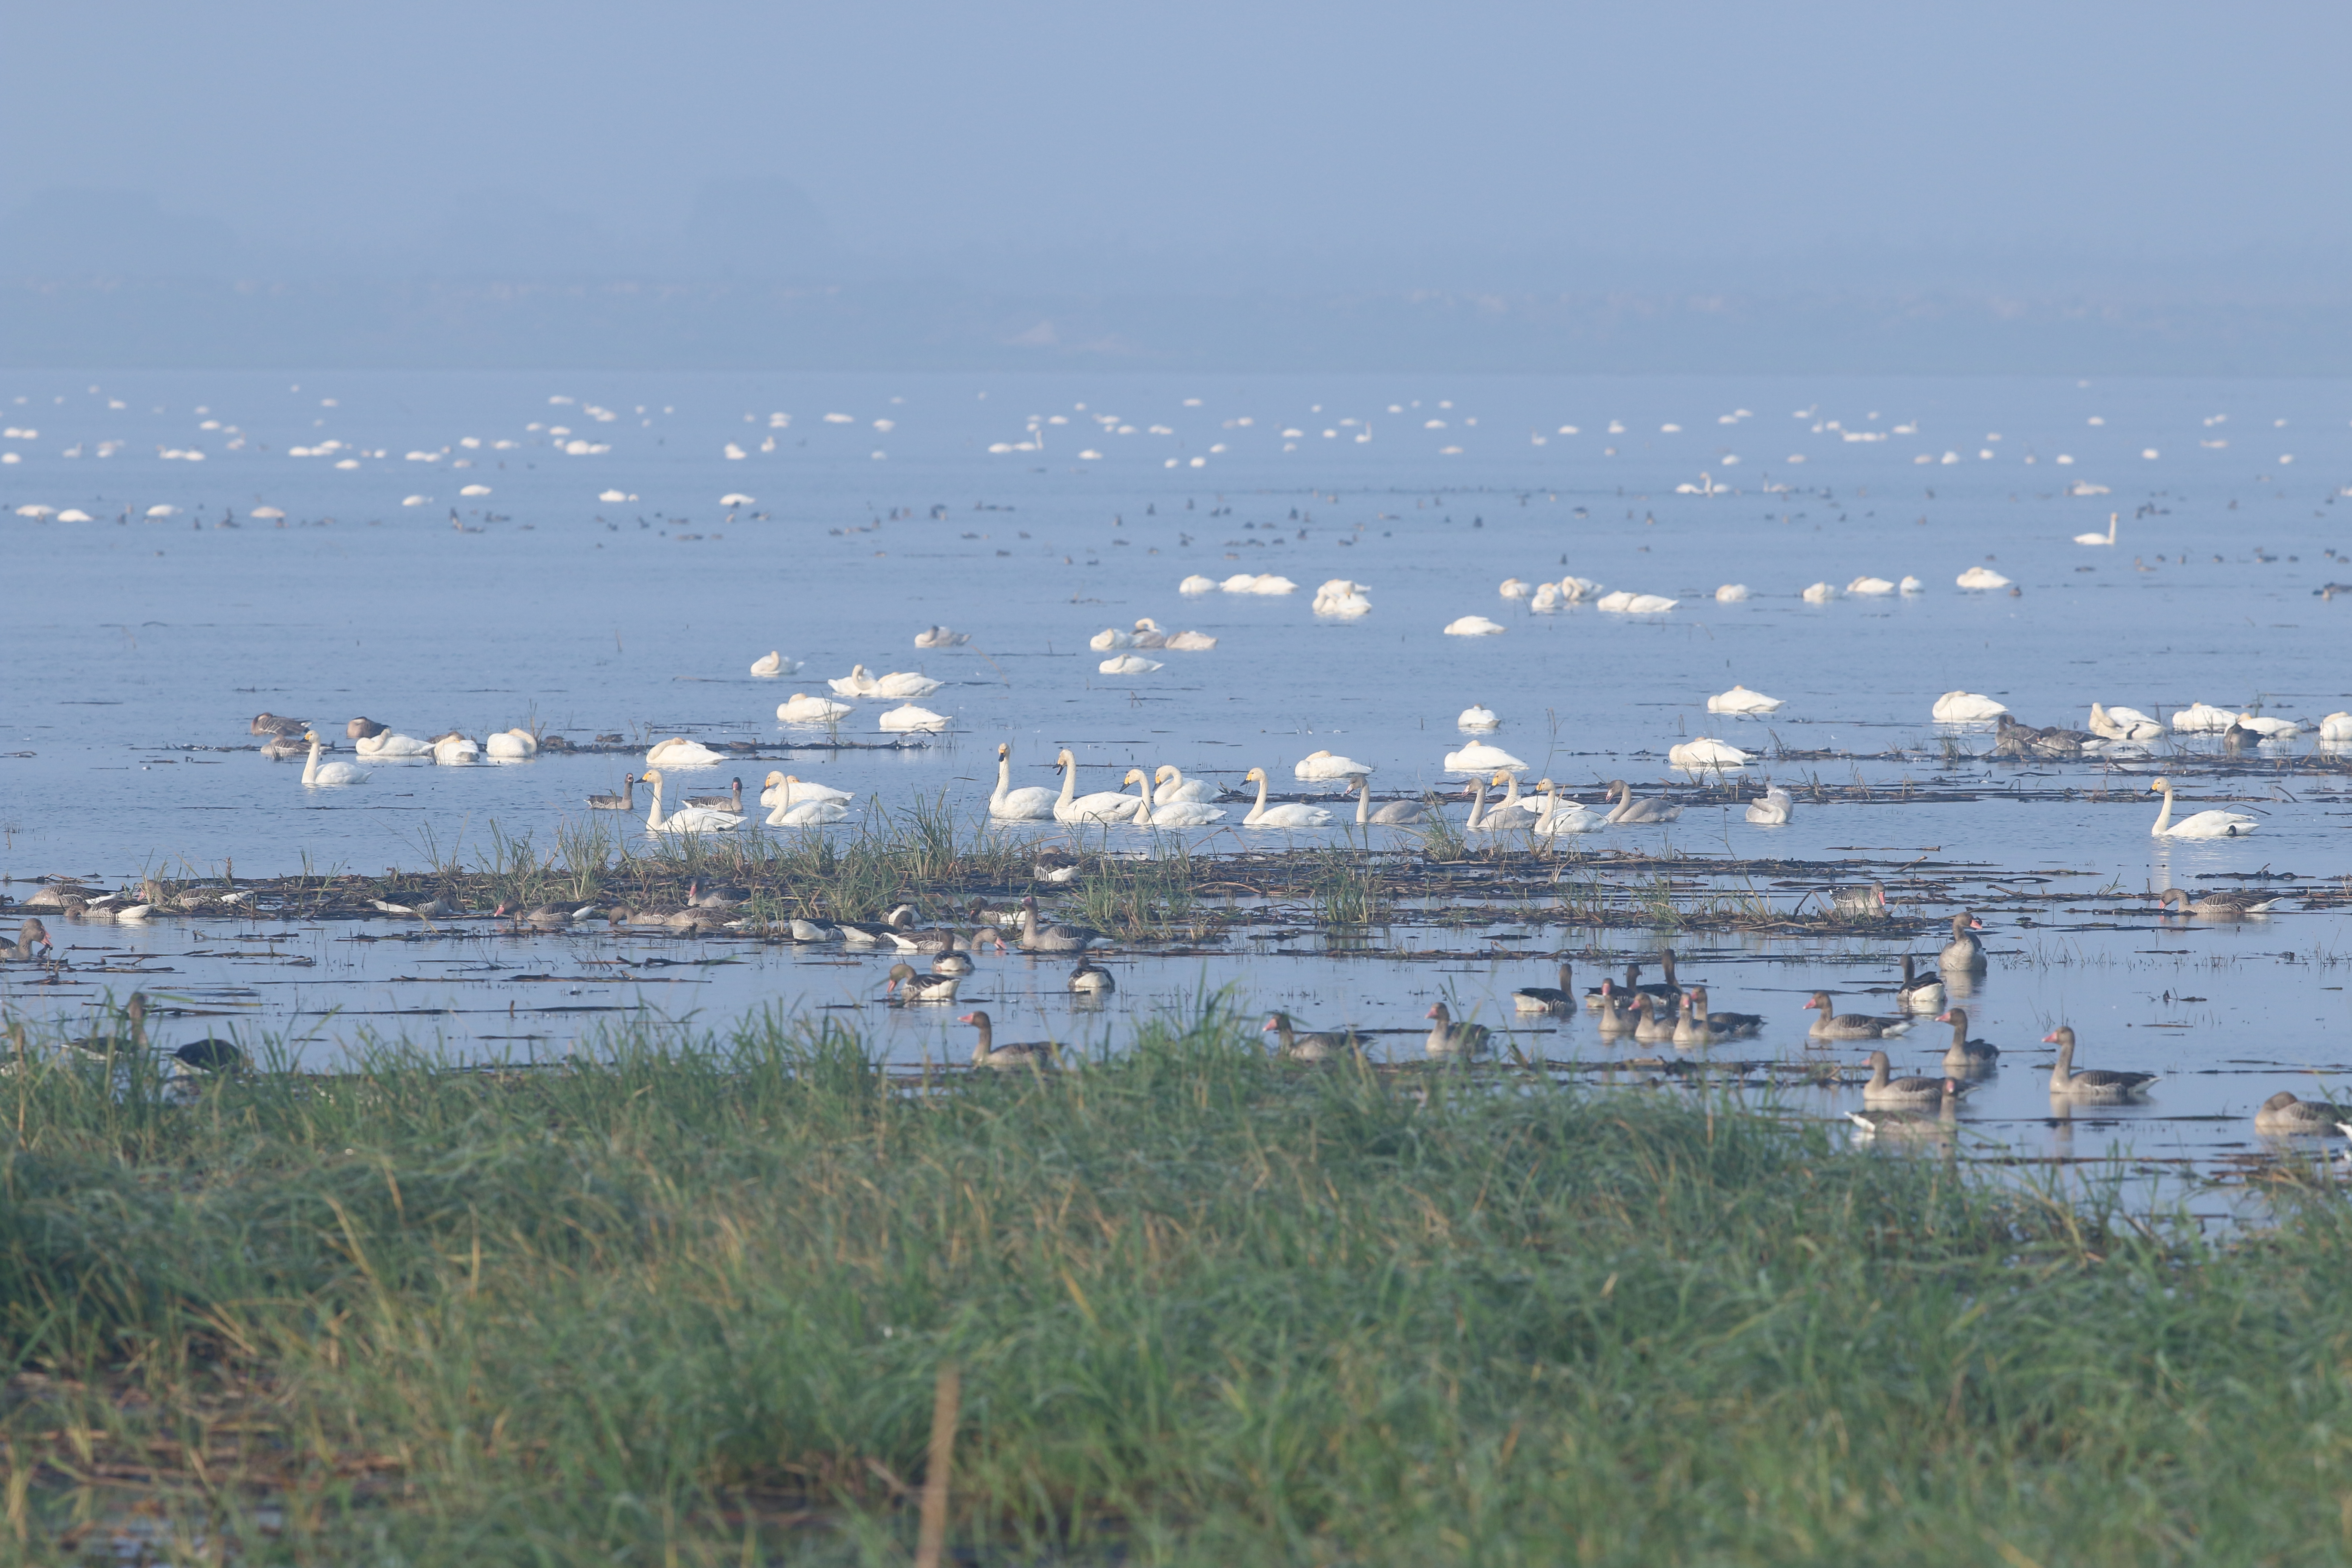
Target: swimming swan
(783, 789)
(1033, 803)
(2204, 825)
(316, 774)
(1628, 809)
(685, 819)
(1171, 786)
(1293, 814)
(1175, 814)
(1102, 806)
(678, 751)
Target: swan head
(312, 736)
(1003, 750)
(1502, 776)
(1360, 782)
(1146, 624)
(1256, 775)
(1063, 759)
(1312, 756)
(1162, 773)
(1617, 785)
(771, 781)
(650, 776)
(1135, 775)
(2159, 787)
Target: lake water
(1034, 512)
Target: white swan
(1293, 814)
(2204, 825)
(1032, 803)
(1478, 716)
(906, 683)
(1739, 700)
(1964, 707)
(2201, 717)
(1173, 787)
(1515, 589)
(2270, 729)
(510, 746)
(1575, 589)
(807, 813)
(2123, 725)
(456, 751)
(1472, 627)
(1981, 577)
(1189, 642)
(1777, 807)
(1196, 583)
(1269, 583)
(858, 682)
(1870, 587)
(316, 776)
(2336, 727)
(1913, 586)
(1704, 752)
(1546, 598)
(1128, 664)
(2106, 537)
(783, 789)
(1628, 809)
(1108, 638)
(941, 636)
(1624, 602)
(1103, 806)
(390, 745)
(1478, 757)
(685, 819)
(1479, 822)
(1822, 593)
(1240, 582)
(1558, 816)
(678, 751)
(907, 717)
(1175, 814)
(1317, 767)
(1395, 814)
(1343, 599)
(773, 663)
(1731, 593)
(802, 709)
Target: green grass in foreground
(688, 1306)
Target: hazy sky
(1371, 140)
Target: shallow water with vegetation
(687, 1299)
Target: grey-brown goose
(1316, 1045)
(1965, 1057)
(987, 1053)
(2096, 1084)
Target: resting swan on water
(678, 751)
(1170, 787)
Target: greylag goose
(31, 938)
(364, 730)
(1319, 1045)
(272, 724)
(1964, 951)
(1965, 1057)
(914, 987)
(1692, 1026)
(210, 1055)
(1919, 992)
(132, 1036)
(862, 933)
(1613, 1017)
(1881, 1090)
(1630, 810)
(1902, 1124)
(624, 800)
(1726, 1024)
(987, 1053)
(2216, 905)
(980, 913)
(2096, 1084)
(277, 747)
(1054, 938)
(1091, 979)
(1650, 1019)
(1448, 1038)
(546, 916)
(957, 963)
(1834, 1024)
(716, 895)
(1546, 998)
(2283, 1113)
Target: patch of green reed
(1153, 897)
(664, 1301)
(1348, 888)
